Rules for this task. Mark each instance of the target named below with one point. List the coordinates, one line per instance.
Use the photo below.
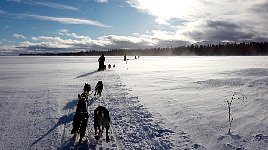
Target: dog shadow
(62, 121)
(69, 144)
(71, 104)
(84, 146)
(87, 74)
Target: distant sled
(102, 68)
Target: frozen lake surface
(154, 102)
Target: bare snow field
(154, 102)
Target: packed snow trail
(135, 125)
(125, 113)
(89, 142)
(132, 125)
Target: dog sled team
(81, 116)
(102, 66)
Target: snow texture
(154, 102)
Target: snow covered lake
(154, 102)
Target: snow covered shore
(155, 102)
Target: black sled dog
(81, 116)
(98, 88)
(87, 88)
(101, 121)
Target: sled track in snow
(115, 143)
(134, 125)
(63, 132)
(67, 142)
(117, 140)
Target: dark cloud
(122, 44)
(44, 49)
(221, 25)
(220, 31)
(261, 39)
(261, 8)
(171, 43)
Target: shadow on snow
(87, 74)
(63, 120)
(71, 105)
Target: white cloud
(18, 1)
(19, 36)
(46, 4)
(63, 30)
(101, 43)
(74, 35)
(2, 12)
(102, 1)
(165, 9)
(26, 44)
(53, 5)
(7, 48)
(156, 38)
(161, 21)
(66, 20)
(54, 41)
(77, 36)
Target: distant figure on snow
(101, 121)
(98, 88)
(80, 117)
(101, 63)
(125, 57)
(113, 66)
(109, 66)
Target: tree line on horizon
(226, 49)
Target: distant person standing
(125, 57)
(101, 62)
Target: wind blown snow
(154, 102)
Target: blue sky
(75, 25)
